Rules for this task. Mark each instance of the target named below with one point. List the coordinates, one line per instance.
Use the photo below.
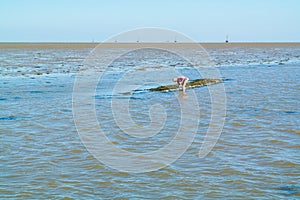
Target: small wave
(10, 117)
(293, 131)
(290, 112)
(289, 189)
(238, 124)
(283, 163)
(35, 92)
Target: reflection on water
(256, 156)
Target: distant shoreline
(81, 45)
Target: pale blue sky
(203, 21)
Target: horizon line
(78, 45)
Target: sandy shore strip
(76, 45)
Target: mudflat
(78, 45)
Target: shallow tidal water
(256, 156)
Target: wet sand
(76, 45)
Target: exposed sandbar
(53, 45)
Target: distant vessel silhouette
(226, 39)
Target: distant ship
(226, 39)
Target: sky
(98, 20)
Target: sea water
(256, 155)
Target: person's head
(174, 79)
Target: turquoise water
(256, 156)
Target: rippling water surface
(256, 156)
